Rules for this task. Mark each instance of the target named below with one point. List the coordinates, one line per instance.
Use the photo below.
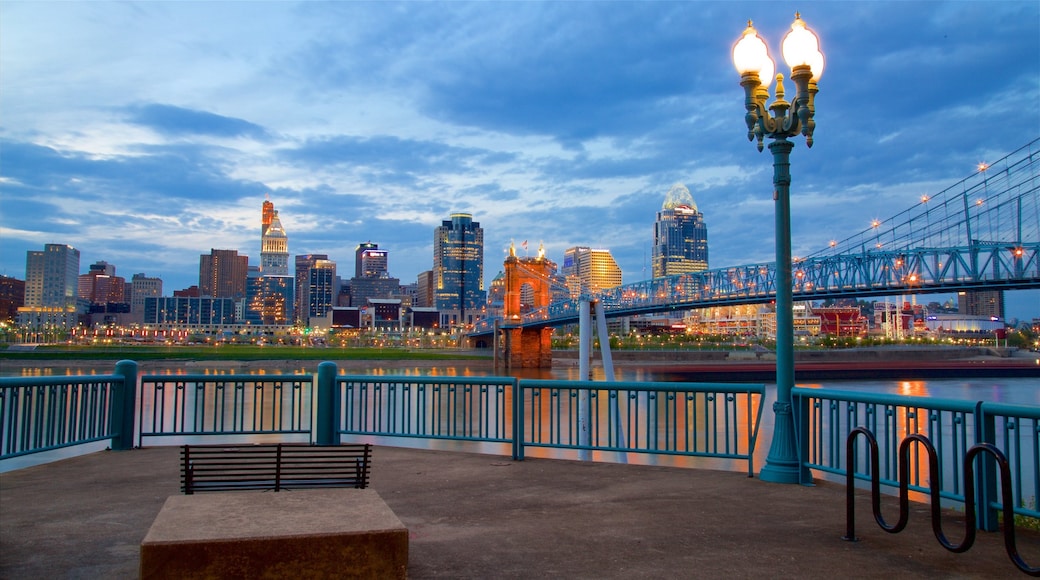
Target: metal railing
(465, 409)
(702, 420)
(824, 419)
(692, 419)
(196, 405)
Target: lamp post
(779, 121)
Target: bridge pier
(527, 348)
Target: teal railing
(46, 413)
(203, 405)
(692, 419)
(706, 420)
(825, 418)
(458, 408)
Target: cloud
(179, 122)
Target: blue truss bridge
(980, 233)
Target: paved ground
(484, 516)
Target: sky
(146, 133)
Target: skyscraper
(304, 263)
(374, 263)
(222, 274)
(589, 270)
(319, 291)
(51, 284)
(359, 251)
(680, 236)
(458, 269)
(274, 243)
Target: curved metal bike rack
(934, 494)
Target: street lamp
(779, 121)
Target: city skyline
(557, 123)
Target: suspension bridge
(981, 233)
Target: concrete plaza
(485, 516)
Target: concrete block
(327, 533)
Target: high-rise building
(51, 284)
(424, 290)
(304, 263)
(142, 287)
(589, 270)
(374, 263)
(12, 297)
(981, 303)
(680, 236)
(269, 300)
(358, 253)
(320, 290)
(274, 243)
(458, 270)
(100, 285)
(222, 274)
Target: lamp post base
(782, 464)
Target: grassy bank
(230, 352)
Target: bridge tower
(529, 347)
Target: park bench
(274, 467)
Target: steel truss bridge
(982, 233)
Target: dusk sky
(145, 134)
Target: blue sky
(145, 134)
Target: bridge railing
(825, 417)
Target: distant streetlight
(779, 121)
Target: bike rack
(934, 493)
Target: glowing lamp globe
(801, 47)
(750, 54)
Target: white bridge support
(585, 310)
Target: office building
(12, 297)
(101, 286)
(371, 279)
(269, 300)
(274, 243)
(188, 311)
(680, 236)
(358, 261)
(222, 274)
(458, 270)
(424, 290)
(304, 263)
(373, 263)
(989, 303)
(51, 285)
(142, 287)
(589, 270)
(320, 290)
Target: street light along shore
(779, 121)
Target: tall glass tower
(680, 236)
(458, 270)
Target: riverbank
(905, 363)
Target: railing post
(986, 484)
(518, 420)
(328, 418)
(123, 406)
